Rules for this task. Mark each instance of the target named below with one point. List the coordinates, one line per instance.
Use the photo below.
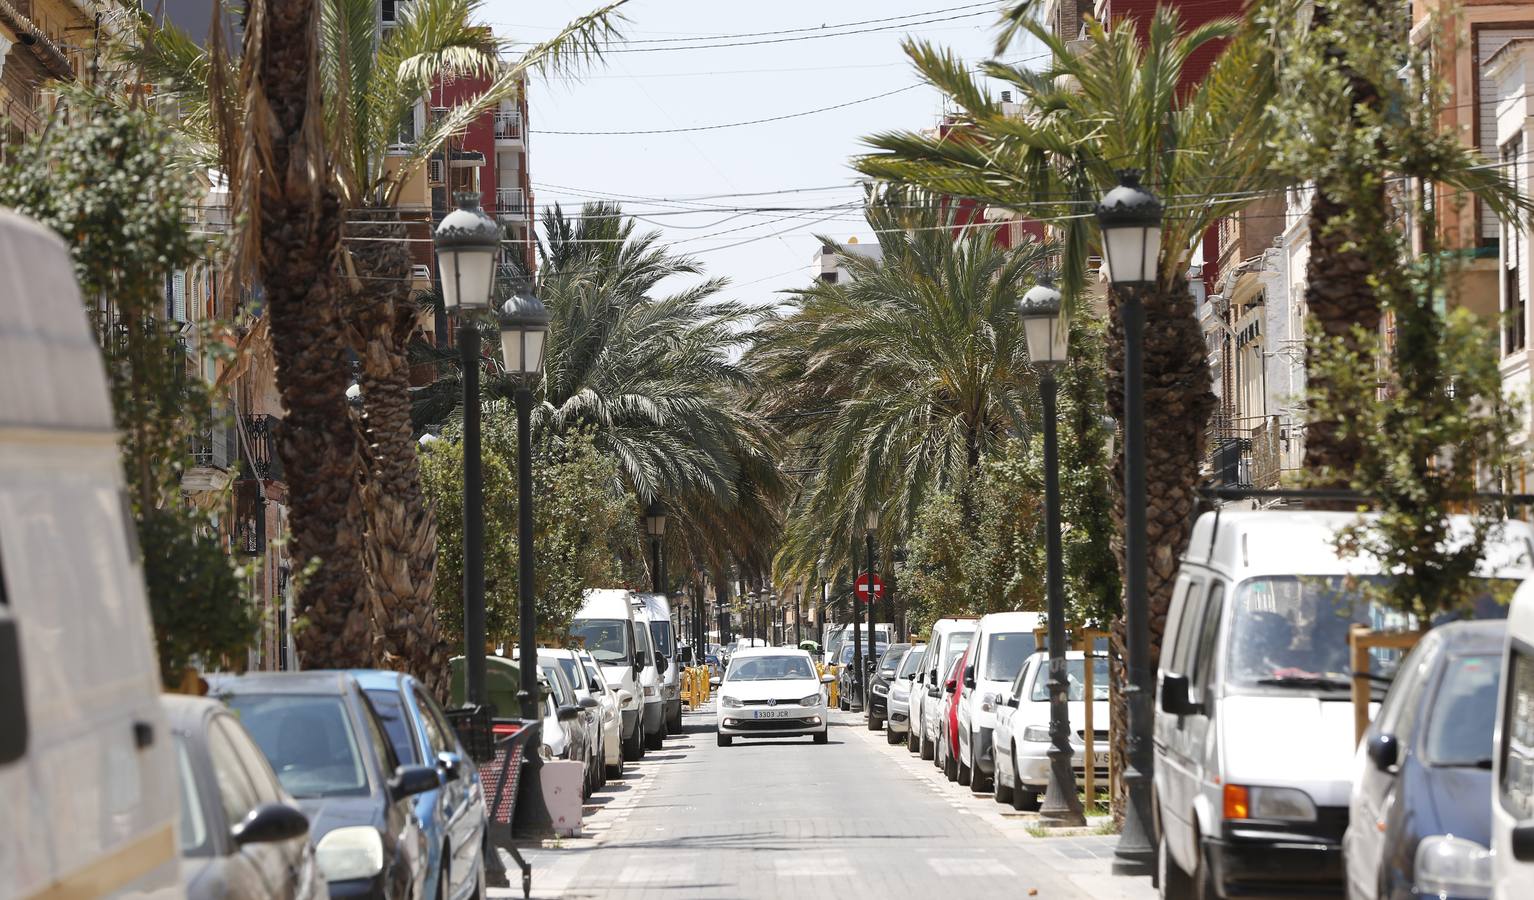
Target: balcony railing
(510, 202)
(258, 459)
(508, 126)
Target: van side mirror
(1523, 842)
(567, 713)
(13, 695)
(270, 823)
(1174, 696)
(969, 676)
(1384, 751)
(660, 663)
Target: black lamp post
(524, 327)
(1048, 334)
(824, 632)
(655, 527)
(1130, 218)
(751, 631)
(466, 243)
(870, 525)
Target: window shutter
(178, 295)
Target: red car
(948, 741)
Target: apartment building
(43, 42)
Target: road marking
(813, 865)
(969, 866)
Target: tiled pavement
(855, 818)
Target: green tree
(104, 184)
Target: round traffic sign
(861, 586)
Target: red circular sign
(861, 586)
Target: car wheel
(615, 771)
(1004, 790)
(822, 737)
(841, 703)
(891, 736)
(657, 740)
(978, 782)
(966, 773)
(1025, 800)
(724, 740)
(923, 746)
(1172, 883)
(912, 743)
(950, 766)
(874, 722)
(633, 746)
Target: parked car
(1512, 806)
(652, 677)
(1255, 653)
(240, 834)
(86, 763)
(945, 643)
(1002, 642)
(605, 627)
(847, 672)
(947, 755)
(658, 608)
(592, 714)
(1022, 727)
(578, 726)
(503, 683)
(772, 692)
(898, 728)
(883, 677)
(612, 719)
(1419, 819)
(329, 750)
(453, 817)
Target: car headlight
(881, 690)
(1452, 866)
(730, 702)
(1288, 804)
(347, 853)
(650, 691)
(1038, 734)
(811, 700)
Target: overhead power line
(808, 112)
(811, 28)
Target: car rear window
(308, 739)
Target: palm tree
(369, 83)
(900, 381)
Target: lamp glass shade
(655, 519)
(1047, 331)
(872, 520)
(524, 332)
(1130, 253)
(466, 277)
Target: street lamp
(1047, 334)
(655, 527)
(1130, 219)
(870, 525)
(823, 634)
(466, 242)
(751, 615)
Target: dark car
(1420, 814)
(241, 835)
(847, 678)
(884, 676)
(329, 749)
(453, 816)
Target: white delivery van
(1512, 802)
(85, 752)
(1002, 643)
(946, 641)
(606, 628)
(1254, 734)
(652, 718)
(658, 608)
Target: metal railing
(213, 447)
(258, 456)
(510, 201)
(508, 126)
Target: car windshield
(660, 636)
(890, 661)
(191, 831)
(1464, 712)
(911, 661)
(607, 639)
(771, 668)
(308, 739)
(1076, 673)
(1292, 631)
(391, 712)
(1005, 654)
(850, 650)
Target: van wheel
(923, 746)
(633, 746)
(615, 771)
(657, 740)
(1203, 880)
(1172, 882)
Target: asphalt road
(778, 818)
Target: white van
(1254, 734)
(945, 642)
(86, 765)
(605, 627)
(1002, 642)
(658, 608)
(1512, 802)
(652, 719)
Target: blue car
(453, 816)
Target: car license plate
(773, 713)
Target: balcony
(258, 458)
(511, 203)
(214, 451)
(508, 126)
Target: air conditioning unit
(421, 272)
(436, 171)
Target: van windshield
(660, 636)
(1005, 654)
(607, 639)
(1292, 631)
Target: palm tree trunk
(299, 229)
(401, 547)
(1178, 403)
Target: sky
(691, 185)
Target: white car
(1002, 643)
(612, 719)
(899, 703)
(1022, 728)
(771, 692)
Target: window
(391, 712)
(309, 740)
(1203, 661)
(606, 639)
(1006, 653)
(1515, 789)
(257, 769)
(771, 668)
(383, 753)
(1076, 677)
(1187, 619)
(235, 791)
(437, 736)
(191, 831)
(1515, 317)
(660, 636)
(1464, 712)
